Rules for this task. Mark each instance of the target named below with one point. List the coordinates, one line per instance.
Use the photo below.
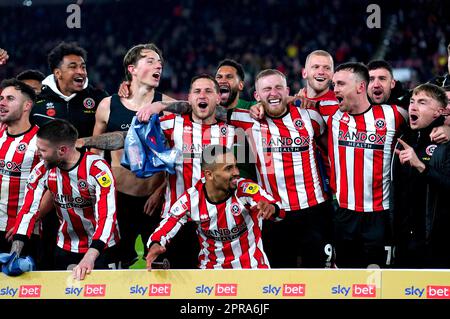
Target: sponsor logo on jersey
(103, 179)
(226, 234)
(89, 103)
(52, 176)
(235, 209)
(345, 118)
(430, 149)
(362, 140)
(180, 206)
(21, 148)
(250, 188)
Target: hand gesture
(409, 156)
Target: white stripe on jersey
(11, 172)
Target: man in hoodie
(66, 93)
(421, 184)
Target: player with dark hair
(18, 155)
(32, 78)
(228, 212)
(83, 190)
(360, 142)
(383, 88)
(66, 93)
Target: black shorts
(360, 238)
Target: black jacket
(420, 202)
(80, 110)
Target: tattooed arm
(106, 141)
(177, 107)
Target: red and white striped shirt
(18, 155)
(190, 138)
(360, 149)
(285, 155)
(229, 232)
(328, 104)
(85, 201)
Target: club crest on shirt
(298, 124)
(103, 179)
(89, 103)
(223, 130)
(21, 148)
(430, 149)
(380, 124)
(82, 184)
(250, 188)
(235, 209)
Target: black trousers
(360, 238)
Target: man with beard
(421, 184)
(228, 212)
(383, 88)
(83, 191)
(18, 155)
(189, 133)
(285, 144)
(137, 198)
(230, 77)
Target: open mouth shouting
(203, 105)
(157, 76)
(413, 119)
(225, 92)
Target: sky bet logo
(88, 291)
(24, 291)
(432, 292)
(358, 290)
(221, 290)
(287, 290)
(154, 290)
